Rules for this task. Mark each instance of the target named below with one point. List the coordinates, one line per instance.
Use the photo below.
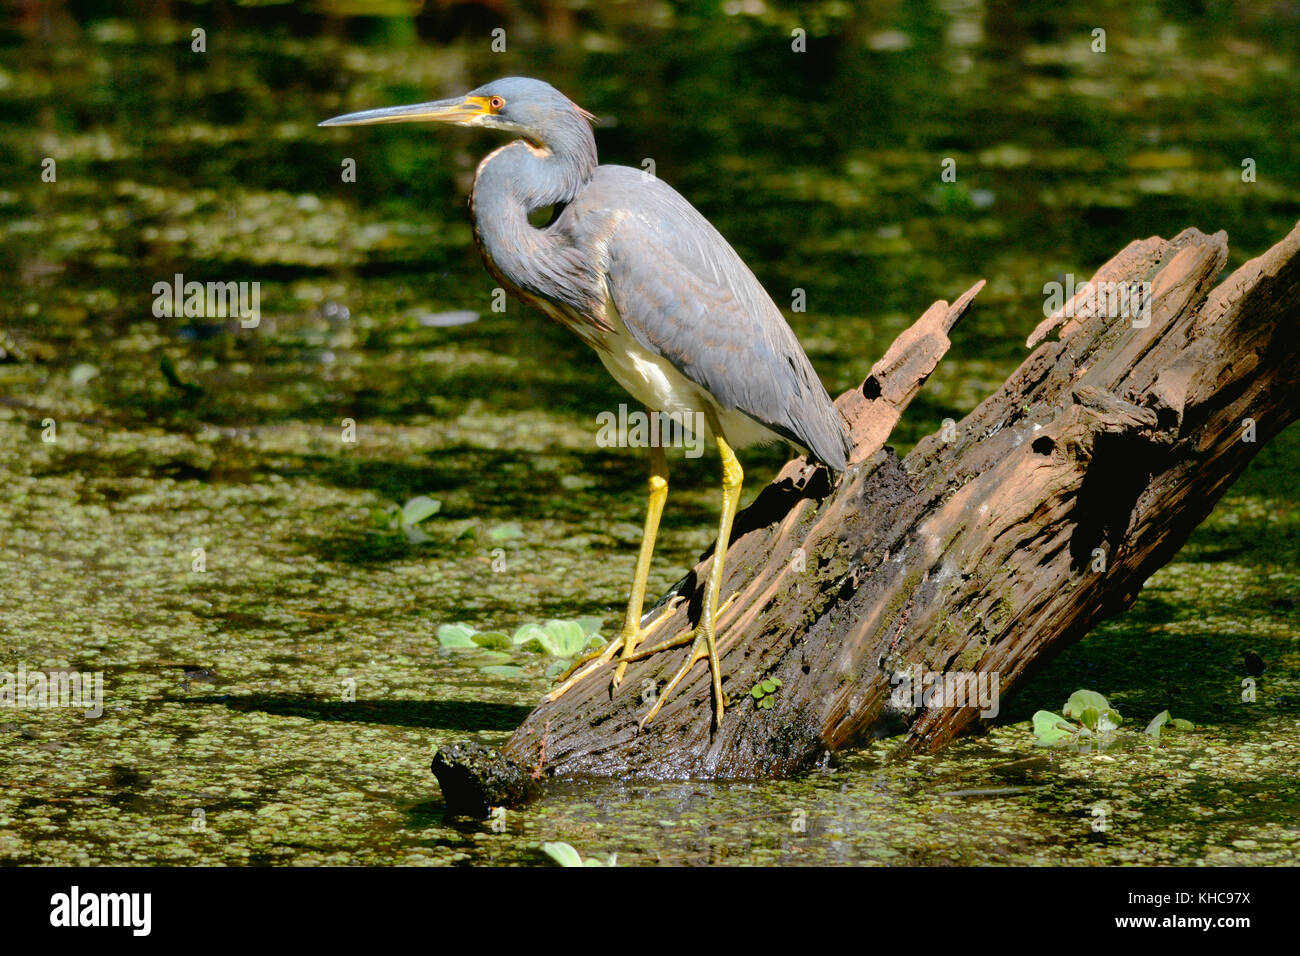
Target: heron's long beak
(459, 109)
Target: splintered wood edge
(899, 375)
(1247, 277)
(962, 305)
(1136, 251)
(1132, 261)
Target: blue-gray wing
(685, 294)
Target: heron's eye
(496, 103)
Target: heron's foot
(703, 645)
(631, 641)
(583, 667)
(627, 642)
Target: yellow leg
(705, 642)
(631, 633)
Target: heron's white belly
(652, 380)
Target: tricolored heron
(666, 303)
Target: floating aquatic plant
(505, 532)
(562, 639)
(407, 517)
(566, 855)
(1093, 711)
(1088, 714)
(1162, 720)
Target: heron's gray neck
(520, 178)
(512, 182)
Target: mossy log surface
(992, 545)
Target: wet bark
(990, 546)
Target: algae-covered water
(183, 508)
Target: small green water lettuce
(566, 855)
(1163, 720)
(1088, 718)
(561, 640)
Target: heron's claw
(583, 667)
(703, 644)
(587, 665)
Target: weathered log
(989, 547)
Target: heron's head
(526, 107)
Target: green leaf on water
(1081, 700)
(562, 854)
(590, 625)
(456, 635)
(1157, 722)
(419, 508)
(591, 628)
(504, 532)
(561, 638)
(1102, 722)
(1051, 729)
(495, 639)
(525, 633)
(484, 658)
(1162, 721)
(566, 855)
(503, 670)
